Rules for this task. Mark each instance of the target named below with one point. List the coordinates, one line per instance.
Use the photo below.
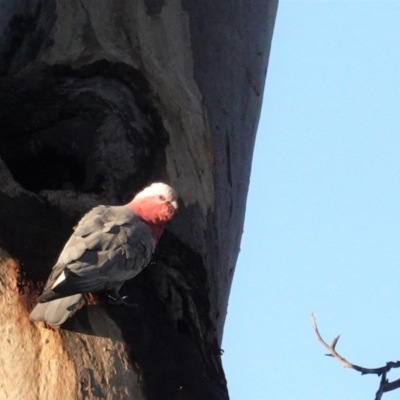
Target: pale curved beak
(174, 204)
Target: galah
(110, 245)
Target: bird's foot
(116, 300)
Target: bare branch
(385, 385)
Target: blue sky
(322, 222)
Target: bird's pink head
(155, 204)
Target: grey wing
(133, 249)
(75, 247)
(109, 245)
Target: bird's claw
(117, 300)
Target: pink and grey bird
(110, 245)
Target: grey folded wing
(109, 245)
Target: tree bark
(97, 99)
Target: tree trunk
(97, 99)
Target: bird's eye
(161, 197)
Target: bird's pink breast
(156, 214)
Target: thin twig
(385, 385)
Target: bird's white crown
(158, 189)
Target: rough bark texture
(97, 99)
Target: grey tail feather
(55, 312)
